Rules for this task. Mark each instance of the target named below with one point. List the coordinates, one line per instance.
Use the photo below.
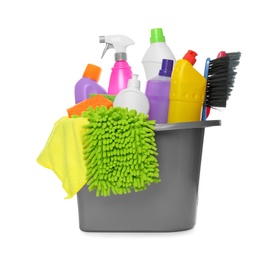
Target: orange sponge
(95, 101)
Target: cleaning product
(121, 71)
(157, 91)
(132, 97)
(187, 91)
(221, 74)
(63, 154)
(157, 51)
(89, 83)
(97, 100)
(119, 150)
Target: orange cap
(93, 72)
(190, 56)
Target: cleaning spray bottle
(157, 91)
(158, 50)
(88, 84)
(121, 71)
(132, 97)
(187, 91)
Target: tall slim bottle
(157, 91)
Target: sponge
(97, 100)
(108, 96)
(119, 151)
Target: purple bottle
(157, 91)
(88, 84)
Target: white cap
(134, 82)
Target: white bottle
(132, 97)
(158, 50)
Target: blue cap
(167, 66)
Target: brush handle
(206, 73)
(222, 54)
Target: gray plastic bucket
(170, 205)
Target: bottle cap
(157, 35)
(92, 72)
(134, 82)
(166, 69)
(190, 56)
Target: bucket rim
(187, 125)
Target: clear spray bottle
(121, 71)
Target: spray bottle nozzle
(119, 43)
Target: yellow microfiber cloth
(119, 151)
(63, 153)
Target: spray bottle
(88, 84)
(121, 71)
(187, 91)
(132, 97)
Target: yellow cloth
(63, 154)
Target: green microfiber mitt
(119, 151)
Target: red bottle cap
(190, 56)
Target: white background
(44, 49)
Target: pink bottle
(121, 71)
(157, 91)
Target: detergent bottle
(121, 71)
(132, 97)
(88, 84)
(157, 91)
(157, 51)
(187, 91)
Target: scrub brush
(220, 74)
(119, 150)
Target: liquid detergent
(121, 71)
(158, 50)
(157, 91)
(132, 97)
(88, 84)
(187, 91)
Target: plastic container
(132, 97)
(157, 51)
(120, 75)
(187, 91)
(121, 71)
(88, 84)
(170, 205)
(157, 91)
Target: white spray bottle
(121, 71)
